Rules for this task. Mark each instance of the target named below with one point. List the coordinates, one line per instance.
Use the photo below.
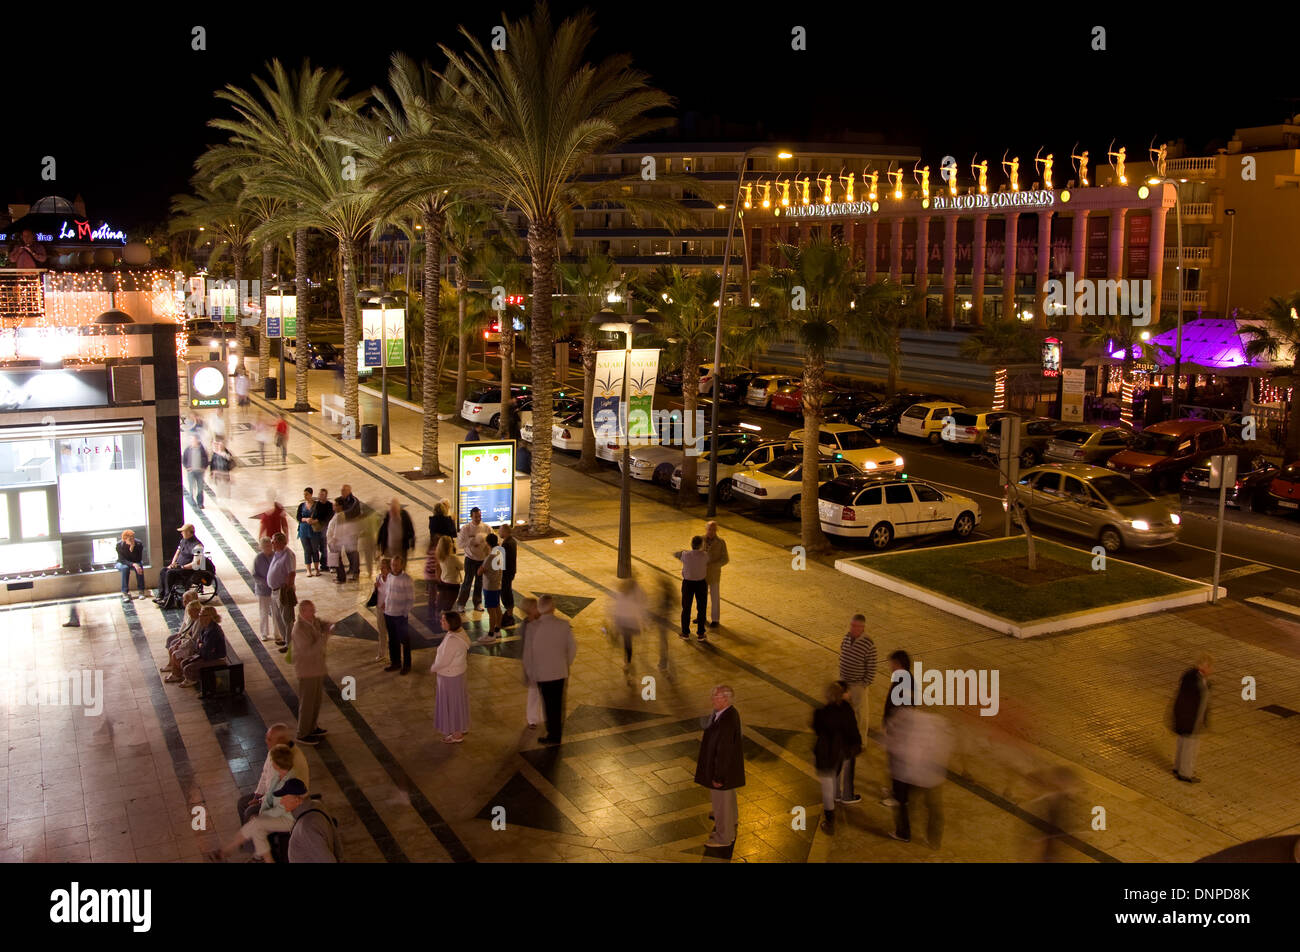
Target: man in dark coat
(721, 766)
(838, 742)
(1191, 716)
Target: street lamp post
(1232, 240)
(717, 335)
(628, 325)
(1178, 343)
(383, 301)
(282, 315)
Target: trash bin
(370, 439)
(272, 388)
(523, 459)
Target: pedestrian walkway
(620, 787)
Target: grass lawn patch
(992, 577)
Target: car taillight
(1238, 484)
(760, 491)
(477, 410)
(848, 515)
(485, 335)
(1078, 454)
(564, 434)
(971, 431)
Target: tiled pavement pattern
(123, 786)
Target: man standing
(721, 766)
(284, 566)
(549, 650)
(323, 513)
(506, 535)
(399, 599)
(472, 540)
(315, 836)
(195, 461)
(351, 512)
(716, 546)
(857, 670)
(28, 253)
(189, 557)
(309, 637)
(695, 569)
(1191, 717)
(251, 803)
(350, 503)
(396, 532)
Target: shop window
(34, 514)
(26, 461)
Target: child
(491, 570)
(432, 576)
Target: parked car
(882, 419)
(729, 372)
(1097, 504)
(734, 388)
(844, 406)
(672, 380)
(972, 426)
(1162, 452)
(562, 406)
(731, 460)
(566, 431)
(657, 462)
(789, 399)
(484, 405)
(320, 354)
(1255, 475)
(1035, 433)
(1086, 443)
(1284, 490)
(762, 388)
(779, 484)
(855, 445)
(492, 333)
(881, 509)
(925, 421)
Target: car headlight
(1175, 518)
(1141, 525)
(898, 461)
(1142, 470)
(869, 464)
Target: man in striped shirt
(857, 670)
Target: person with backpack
(315, 835)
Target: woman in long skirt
(451, 664)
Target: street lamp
(388, 306)
(285, 309)
(1178, 215)
(629, 325)
(717, 336)
(1232, 240)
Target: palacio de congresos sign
(1037, 198)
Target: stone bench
(226, 678)
(331, 407)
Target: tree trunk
(587, 463)
(241, 332)
(431, 383)
(300, 402)
(348, 305)
(814, 394)
(895, 362)
(462, 338)
(264, 342)
(507, 348)
(688, 493)
(542, 242)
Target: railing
(1204, 163)
(1190, 298)
(1198, 210)
(1194, 254)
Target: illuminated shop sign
(83, 232)
(828, 210)
(1037, 198)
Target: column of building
(1009, 267)
(950, 270)
(1044, 260)
(1078, 259)
(922, 262)
(977, 269)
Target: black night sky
(121, 100)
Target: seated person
(210, 645)
(250, 804)
(272, 817)
(181, 646)
(189, 557)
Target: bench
(331, 407)
(227, 678)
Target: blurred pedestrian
(347, 533)
(627, 615)
(533, 712)
(221, 464)
(241, 387)
(351, 504)
(377, 603)
(195, 461)
(399, 599)
(472, 540)
(371, 522)
(441, 522)
(919, 744)
(306, 519)
(716, 547)
(548, 655)
(857, 670)
(397, 532)
(324, 513)
(432, 574)
(720, 767)
(274, 519)
(491, 571)
(262, 566)
(282, 438)
(217, 425)
(310, 637)
(451, 665)
(1191, 716)
(663, 612)
(471, 435)
(262, 434)
(838, 743)
(695, 586)
(506, 533)
(898, 694)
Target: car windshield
(857, 440)
(1119, 491)
(1074, 436)
(1156, 444)
(731, 455)
(784, 467)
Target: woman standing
(440, 523)
(307, 532)
(449, 573)
(130, 558)
(261, 568)
(377, 603)
(451, 714)
(838, 740)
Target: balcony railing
(1192, 254)
(1198, 210)
(1207, 165)
(1169, 298)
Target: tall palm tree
(839, 308)
(275, 124)
(523, 123)
(589, 284)
(1277, 337)
(475, 232)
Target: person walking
(491, 570)
(716, 547)
(533, 712)
(898, 696)
(310, 635)
(627, 614)
(919, 744)
(720, 767)
(396, 532)
(332, 554)
(441, 523)
(195, 460)
(241, 387)
(506, 533)
(857, 670)
(347, 532)
(695, 569)
(838, 742)
(324, 514)
(315, 834)
(262, 434)
(262, 587)
(281, 576)
(130, 558)
(472, 540)
(282, 439)
(1191, 717)
(222, 464)
(549, 651)
(274, 519)
(377, 603)
(451, 665)
(306, 518)
(399, 599)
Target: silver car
(1087, 443)
(1097, 504)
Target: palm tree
(475, 232)
(523, 124)
(839, 308)
(589, 285)
(1002, 342)
(1277, 336)
(688, 303)
(274, 126)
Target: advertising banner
(208, 384)
(485, 480)
(1139, 246)
(281, 316)
(610, 421)
(1098, 246)
(1072, 383)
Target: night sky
(121, 100)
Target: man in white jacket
(472, 540)
(549, 650)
